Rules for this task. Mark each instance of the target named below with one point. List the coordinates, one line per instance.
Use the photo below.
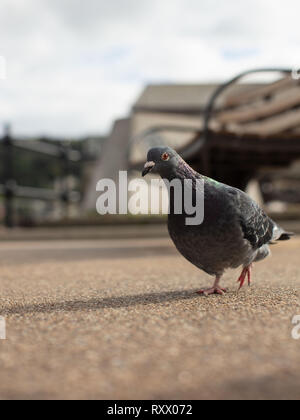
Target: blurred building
(168, 105)
(254, 133)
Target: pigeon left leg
(245, 273)
(215, 290)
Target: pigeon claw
(212, 291)
(245, 273)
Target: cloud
(74, 66)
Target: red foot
(212, 291)
(245, 273)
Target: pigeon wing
(257, 227)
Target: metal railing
(10, 190)
(203, 138)
(208, 113)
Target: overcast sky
(74, 66)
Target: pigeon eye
(165, 156)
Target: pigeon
(235, 231)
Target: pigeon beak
(148, 168)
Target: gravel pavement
(119, 319)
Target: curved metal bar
(204, 138)
(210, 106)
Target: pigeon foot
(212, 291)
(215, 290)
(245, 273)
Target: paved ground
(120, 319)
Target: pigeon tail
(285, 236)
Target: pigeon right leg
(215, 290)
(245, 273)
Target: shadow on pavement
(24, 256)
(96, 304)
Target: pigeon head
(162, 161)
